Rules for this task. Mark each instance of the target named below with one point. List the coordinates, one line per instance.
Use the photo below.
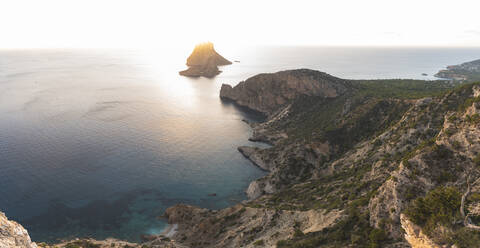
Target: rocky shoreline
(347, 162)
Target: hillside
(354, 166)
(353, 163)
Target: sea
(99, 142)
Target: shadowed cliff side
(267, 92)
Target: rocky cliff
(268, 92)
(204, 61)
(361, 160)
(13, 235)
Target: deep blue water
(100, 142)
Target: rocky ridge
(365, 156)
(267, 92)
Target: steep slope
(382, 178)
(335, 158)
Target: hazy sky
(137, 23)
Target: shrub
(452, 118)
(377, 236)
(298, 233)
(259, 242)
(465, 238)
(439, 207)
(476, 160)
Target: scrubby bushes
(438, 211)
(439, 206)
(259, 242)
(476, 160)
(81, 244)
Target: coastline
(259, 156)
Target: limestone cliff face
(268, 92)
(13, 235)
(204, 61)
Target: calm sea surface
(100, 142)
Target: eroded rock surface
(242, 226)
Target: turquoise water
(100, 142)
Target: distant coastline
(465, 72)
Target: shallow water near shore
(99, 143)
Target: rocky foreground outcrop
(267, 92)
(13, 235)
(204, 61)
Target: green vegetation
(468, 72)
(372, 107)
(466, 238)
(368, 109)
(259, 242)
(439, 207)
(438, 213)
(476, 160)
(81, 244)
(403, 88)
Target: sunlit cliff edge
(204, 61)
